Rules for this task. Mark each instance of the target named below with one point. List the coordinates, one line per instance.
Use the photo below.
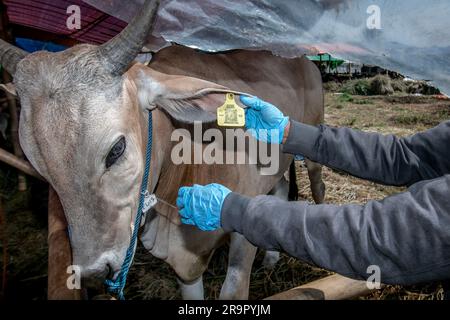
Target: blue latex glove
(261, 117)
(201, 206)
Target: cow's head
(81, 124)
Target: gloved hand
(261, 117)
(201, 206)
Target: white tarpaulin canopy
(413, 38)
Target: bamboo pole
(334, 287)
(59, 252)
(19, 164)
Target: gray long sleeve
(384, 159)
(406, 235)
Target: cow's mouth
(94, 279)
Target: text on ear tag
(230, 114)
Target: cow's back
(294, 85)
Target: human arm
(406, 235)
(385, 159)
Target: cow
(83, 123)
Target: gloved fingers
(187, 197)
(251, 102)
(263, 119)
(180, 203)
(180, 199)
(266, 108)
(184, 213)
(197, 194)
(251, 118)
(182, 191)
(187, 221)
(269, 111)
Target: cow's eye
(116, 152)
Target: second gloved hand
(262, 119)
(201, 206)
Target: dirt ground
(153, 279)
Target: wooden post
(59, 252)
(333, 287)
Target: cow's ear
(185, 99)
(10, 88)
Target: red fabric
(50, 15)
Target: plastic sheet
(414, 38)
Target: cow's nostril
(109, 271)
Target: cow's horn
(121, 50)
(10, 56)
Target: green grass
(345, 97)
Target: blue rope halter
(115, 287)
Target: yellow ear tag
(230, 114)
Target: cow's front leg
(240, 261)
(192, 290)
